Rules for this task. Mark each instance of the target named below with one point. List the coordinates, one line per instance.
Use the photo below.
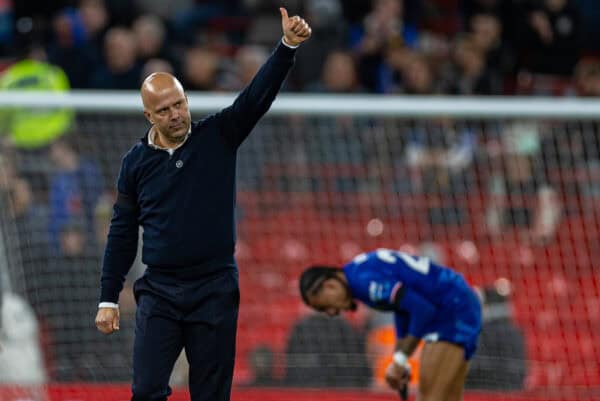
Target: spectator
(94, 17)
(382, 28)
(247, 62)
(520, 195)
(15, 191)
(571, 156)
(325, 352)
(75, 188)
(384, 24)
(439, 155)
(396, 60)
(155, 65)
(70, 49)
(30, 129)
(550, 42)
(503, 10)
(150, 34)
(121, 69)
(200, 69)
(23, 227)
(468, 73)
(487, 38)
(587, 78)
(417, 77)
(500, 361)
(339, 75)
(329, 32)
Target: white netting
(480, 189)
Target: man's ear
(148, 117)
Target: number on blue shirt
(418, 264)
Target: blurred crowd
(460, 47)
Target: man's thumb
(284, 14)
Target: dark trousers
(194, 312)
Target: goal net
(506, 191)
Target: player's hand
(397, 376)
(295, 29)
(107, 320)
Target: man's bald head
(165, 106)
(156, 85)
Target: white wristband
(108, 305)
(400, 358)
(286, 44)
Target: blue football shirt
(424, 296)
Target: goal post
(325, 104)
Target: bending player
(430, 302)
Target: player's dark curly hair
(312, 278)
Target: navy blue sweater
(185, 202)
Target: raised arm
(237, 120)
(120, 252)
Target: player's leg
(456, 392)
(210, 341)
(441, 365)
(158, 342)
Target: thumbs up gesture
(295, 29)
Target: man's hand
(295, 29)
(397, 376)
(107, 320)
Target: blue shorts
(462, 324)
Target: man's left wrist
(400, 358)
(289, 43)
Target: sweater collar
(151, 135)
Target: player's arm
(413, 314)
(120, 252)
(405, 342)
(421, 311)
(397, 374)
(252, 103)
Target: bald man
(178, 183)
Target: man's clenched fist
(107, 320)
(295, 29)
